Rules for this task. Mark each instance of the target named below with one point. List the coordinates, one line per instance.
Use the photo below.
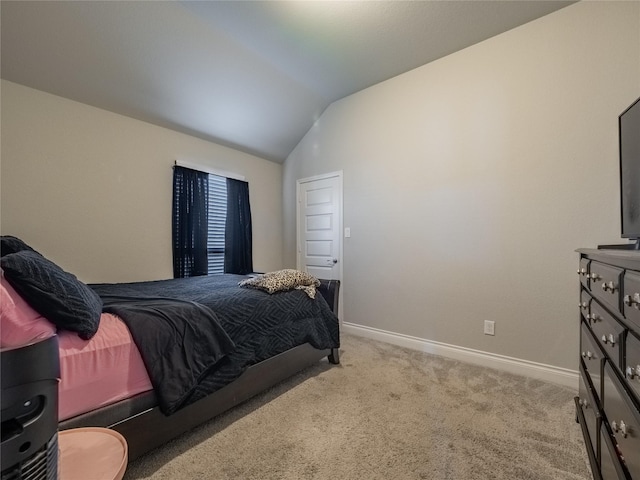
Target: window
(211, 224)
(216, 224)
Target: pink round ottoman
(92, 453)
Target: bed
(233, 342)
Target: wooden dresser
(608, 405)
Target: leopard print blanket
(282, 280)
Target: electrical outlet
(489, 327)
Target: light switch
(347, 232)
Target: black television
(629, 138)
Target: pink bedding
(94, 373)
(19, 323)
(100, 371)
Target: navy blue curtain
(238, 255)
(190, 214)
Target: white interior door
(320, 226)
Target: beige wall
(92, 190)
(469, 182)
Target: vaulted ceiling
(252, 75)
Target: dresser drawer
(605, 284)
(592, 358)
(585, 304)
(624, 419)
(610, 466)
(631, 298)
(590, 408)
(608, 331)
(583, 272)
(632, 363)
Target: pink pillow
(19, 323)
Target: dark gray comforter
(198, 334)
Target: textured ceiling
(250, 75)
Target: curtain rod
(206, 169)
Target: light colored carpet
(385, 413)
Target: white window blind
(216, 223)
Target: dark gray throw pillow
(58, 295)
(10, 244)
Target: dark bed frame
(145, 427)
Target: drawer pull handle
(583, 403)
(587, 354)
(632, 301)
(582, 305)
(582, 271)
(633, 372)
(611, 339)
(611, 286)
(595, 276)
(594, 317)
(623, 428)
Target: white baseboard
(540, 371)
